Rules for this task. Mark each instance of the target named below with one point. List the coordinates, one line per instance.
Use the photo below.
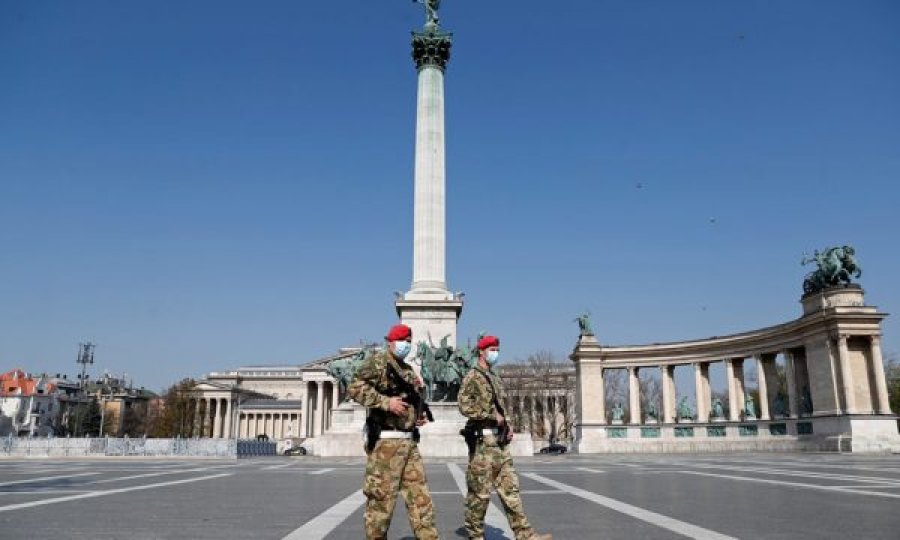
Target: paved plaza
(604, 497)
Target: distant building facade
(278, 402)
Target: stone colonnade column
(733, 407)
(320, 408)
(883, 404)
(634, 395)
(228, 418)
(668, 394)
(790, 376)
(763, 388)
(701, 391)
(217, 419)
(846, 375)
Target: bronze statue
(584, 324)
(431, 11)
(835, 266)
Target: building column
(701, 391)
(846, 375)
(634, 395)
(216, 419)
(791, 382)
(227, 417)
(733, 407)
(320, 408)
(668, 394)
(883, 402)
(763, 388)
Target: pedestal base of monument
(431, 314)
(440, 438)
(840, 433)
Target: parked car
(554, 448)
(295, 451)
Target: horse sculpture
(344, 369)
(835, 266)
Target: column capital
(875, 340)
(431, 48)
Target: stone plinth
(440, 438)
(843, 433)
(846, 296)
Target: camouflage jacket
(476, 399)
(373, 386)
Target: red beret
(398, 332)
(488, 341)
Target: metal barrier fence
(84, 447)
(250, 448)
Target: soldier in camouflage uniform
(394, 464)
(491, 465)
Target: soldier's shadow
(490, 533)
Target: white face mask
(492, 357)
(401, 349)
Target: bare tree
(892, 374)
(615, 388)
(651, 392)
(545, 387)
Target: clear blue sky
(201, 185)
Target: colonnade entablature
(828, 362)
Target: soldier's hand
(422, 420)
(500, 419)
(509, 436)
(397, 406)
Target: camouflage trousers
(492, 467)
(393, 466)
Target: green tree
(84, 419)
(175, 416)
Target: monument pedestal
(440, 438)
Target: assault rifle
(413, 398)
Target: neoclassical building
(280, 402)
(837, 397)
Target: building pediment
(209, 386)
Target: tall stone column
(217, 419)
(320, 409)
(763, 388)
(701, 391)
(883, 402)
(668, 394)
(846, 375)
(790, 376)
(733, 407)
(429, 308)
(634, 395)
(228, 418)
